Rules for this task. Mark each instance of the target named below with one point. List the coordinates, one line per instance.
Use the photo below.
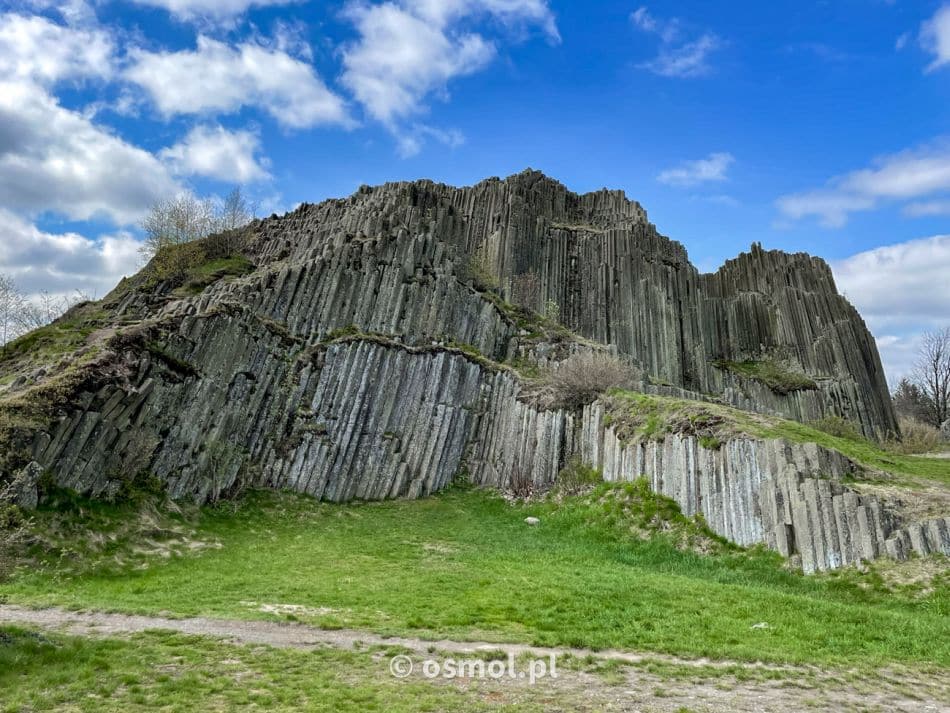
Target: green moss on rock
(779, 377)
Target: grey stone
(23, 490)
(246, 388)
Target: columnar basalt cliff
(372, 349)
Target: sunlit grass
(465, 565)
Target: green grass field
(464, 565)
(167, 671)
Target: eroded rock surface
(369, 354)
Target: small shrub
(173, 262)
(838, 427)
(916, 437)
(576, 477)
(11, 517)
(552, 311)
(139, 488)
(710, 443)
(480, 269)
(526, 290)
(520, 484)
(580, 379)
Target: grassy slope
(649, 416)
(465, 565)
(167, 671)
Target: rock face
(945, 431)
(788, 496)
(369, 354)
(23, 490)
(611, 275)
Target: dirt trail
(746, 686)
(301, 636)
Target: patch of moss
(180, 366)
(350, 330)
(205, 274)
(777, 376)
(637, 416)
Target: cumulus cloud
(679, 55)
(916, 298)
(56, 159)
(409, 49)
(38, 50)
(935, 38)
(903, 176)
(713, 168)
(218, 78)
(220, 10)
(65, 262)
(215, 152)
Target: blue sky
(815, 126)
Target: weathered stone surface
(23, 490)
(360, 360)
(388, 259)
(788, 496)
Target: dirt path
(301, 636)
(696, 685)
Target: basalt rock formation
(371, 350)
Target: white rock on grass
(533, 521)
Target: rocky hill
(379, 346)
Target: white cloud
(690, 173)
(217, 78)
(55, 159)
(935, 37)
(63, 263)
(220, 10)
(899, 177)
(38, 50)
(678, 56)
(73, 12)
(409, 49)
(927, 208)
(215, 152)
(901, 290)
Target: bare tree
(932, 375)
(47, 307)
(580, 379)
(11, 303)
(175, 221)
(235, 211)
(184, 219)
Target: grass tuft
(777, 376)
